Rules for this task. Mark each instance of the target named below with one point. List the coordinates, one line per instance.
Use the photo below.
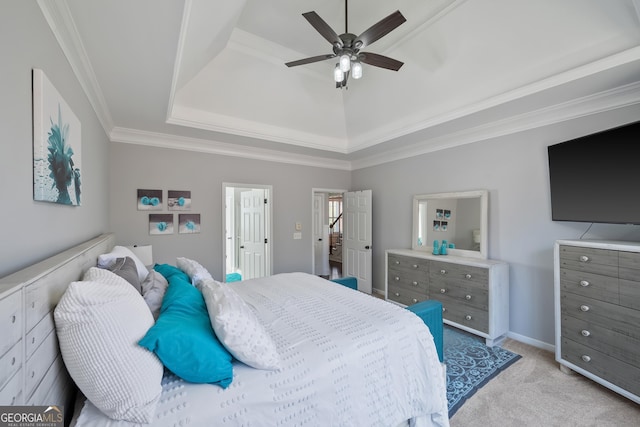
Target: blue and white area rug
(470, 365)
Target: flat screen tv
(596, 178)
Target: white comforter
(349, 359)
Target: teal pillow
(168, 271)
(183, 339)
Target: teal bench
(349, 282)
(430, 311)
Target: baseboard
(532, 342)
(378, 292)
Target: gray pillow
(126, 268)
(153, 290)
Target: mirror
(460, 218)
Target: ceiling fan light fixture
(345, 62)
(338, 74)
(356, 70)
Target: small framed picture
(149, 200)
(179, 200)
(436, 225)
(188, 223)
(444, 225)
(447, 213)
(439, 213)
(160, 223)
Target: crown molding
(59, 18)
(609, 100)
(162, 140)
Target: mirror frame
(484, 222)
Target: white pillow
(107, 260)
(193, 269)
(99, 322)
(237, 326)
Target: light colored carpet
(533, 392)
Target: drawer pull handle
(13, 319)
(585, 358)
(13, 400)
(414, 283)
(415, 300)
(13, 361)
(585, 333)
(397, 278)
(584, 258)
(33, 340)
(444, 309)
(33, 374)
(584, 308)
(443, 291)
(468, 297)
(584, 283)
(443, 271)
(397, 294)
(468, 276)
(415, 265)
(397, 262)
(468, 317)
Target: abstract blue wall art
(188, 223)
(179, 200)
(149, 200)
(160, 223)
(57, 137)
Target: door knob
(367, 247)
(319, 240)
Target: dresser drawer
(405, 296)
(410, 279)
(591, 285)
(12, 321)
(470, 295)
(405, 263)
(629, 263)
(589, 260)
(458, 273)
(602, 365)
(621, 346)
(10, 362)
(11, 393)
(453, 310)
(614, 317)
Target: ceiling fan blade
(380, 61)
(323, 28)
(310, 60)
(380, 29)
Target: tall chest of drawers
(474, 292)
(597, 308)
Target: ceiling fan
(347, 46)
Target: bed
(345, 358)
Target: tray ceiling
(199, 73)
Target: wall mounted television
(596, 178)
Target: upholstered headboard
(31, 368)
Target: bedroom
(512, 166)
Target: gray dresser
(597, 307)
(474, 292)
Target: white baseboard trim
(532, 342)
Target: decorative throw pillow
(107, 260)
(237, 326)
(99, 322)
(183, 339)
(153, 290)
(168, 271)
(126, 268)
(194, 269)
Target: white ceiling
(210, 76)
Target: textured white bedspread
(349, 359)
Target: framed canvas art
(160, 223)
(188, 223)
(57, 138)
(179, 200)
(149, 200)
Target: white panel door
(356, 253)
(252, 234)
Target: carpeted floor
(470, 364)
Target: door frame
(313, 192)
(268, 226)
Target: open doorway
(327, 233)
(247, 228)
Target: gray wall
(136, 167)
(515, 171)
(32, 231)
